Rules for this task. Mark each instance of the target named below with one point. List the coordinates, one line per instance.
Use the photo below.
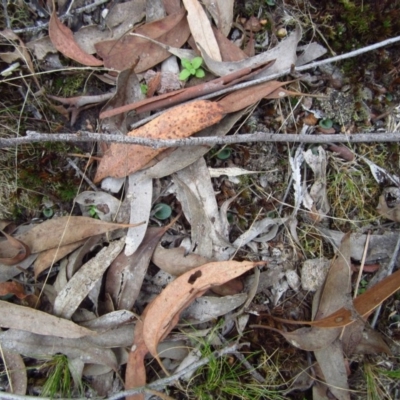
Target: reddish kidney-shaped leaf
(63, 39)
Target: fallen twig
(33, 136)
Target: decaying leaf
(14, 288)
(126, 273)
(200, 28)
(245, 97)
(69, 298)
(35, 321)
(180, 122)
(391, 212)
(164, 311)
(176, 261)
(222, 13)
(23, 250)
(59, 232)
(63, 40)
(16, 372)
(46, 258)
(36, 346)
(120, 54)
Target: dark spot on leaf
(193, 277)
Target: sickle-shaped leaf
(164, 311)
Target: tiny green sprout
(48, 212)
(224, 154)
(191, 68)
(144, 88)
(162, 211)
(389, 97)
(270, 2)
(326, 123)
(93, 212)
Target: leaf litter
(197, 259)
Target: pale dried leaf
(61, 231)
(207, 308)
(177, 261)
(201, 30)
(69, 298)
(35, 321)
(109, 321)
(20, 253)
(311, 52)
(284, 55)
(39, 346)
(48, 257)
(139, 193)
(126, 274)
(16, 371)
(106, 205)
(222, 13)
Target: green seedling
(93, 212)
(191, 68)
(144, 88)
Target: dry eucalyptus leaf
(35, 321)
(61, 231)
(163, 313)
(16, 372)
(200, 28)
(176, 261)
(222, 13)
(22, 250)
(180, 122)
(392, 213)
(63, 40)
(120, 54)
(69, 298)
(35, 346)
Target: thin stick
(83, 136)
(364, 257)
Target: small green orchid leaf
(197, 62)
(200, 73)
(144, 88)
(48, 212)
(270, 2)
(192, 71)
(162, 211)
(224, 154)
(326, 123)
(184, 74)
(186, 63)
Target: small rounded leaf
(224, 154)
(162, 211)
(184, 74)
(197, 62)
(186, 63)
(200, 73)
(326, 123)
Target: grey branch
(33, 136)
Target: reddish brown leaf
(164, 311)
(63, 39)
(121, 54)
(245, 97)
(23, 250)
(135, 375)
(14, 288)
(123, 159)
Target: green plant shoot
(191, 68)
